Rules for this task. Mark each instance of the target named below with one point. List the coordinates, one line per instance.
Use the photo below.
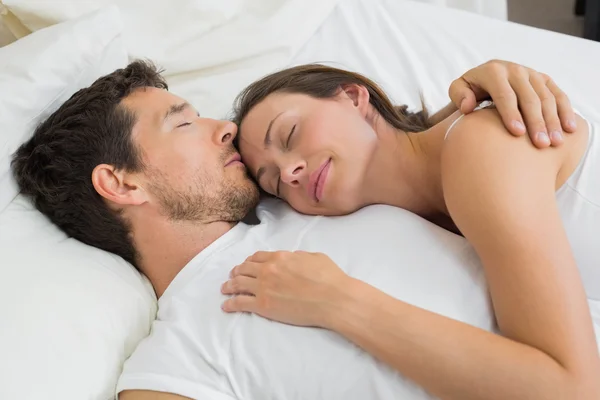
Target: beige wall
(6, 36)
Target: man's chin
(244, 199)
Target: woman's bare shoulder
(482, 137)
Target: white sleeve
(166, 361)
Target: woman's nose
(293, 173)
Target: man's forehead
(149, 105)
(150, 100)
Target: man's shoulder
(277, 213)
(280, 225)
(383, 223)
(374, 229)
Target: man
(130, 168)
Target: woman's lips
(317, 180)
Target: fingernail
(462, 103)
(519, 126)
(572, 124)
(556, 136)
(543, 138)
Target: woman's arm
(448, 358)
(507, 210)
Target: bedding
(491, 8)
(208, 48)
(410, 47)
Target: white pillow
(70, 314)
(210, 50)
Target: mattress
(411, 47)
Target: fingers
(490, 80)
(240, 285)
(462, 95)
(528, 101)
(549, 108)
(241, 303)
(264, 256)
(565, 110)
(507, 104)
(531, 108)
(247, 268)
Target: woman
(330, 142)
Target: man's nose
(225, 133)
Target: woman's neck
(406, 169)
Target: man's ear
(360, 97)
(117, 186)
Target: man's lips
(316, 181)
(235, 158)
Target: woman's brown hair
(320, 81)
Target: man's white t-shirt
(198, 351)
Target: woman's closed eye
(289, 138)
(277, 185)
(287, 146)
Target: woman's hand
(528, 101)
(296, 288)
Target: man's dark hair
(54, 168)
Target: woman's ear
(117, 186)
(360, 97)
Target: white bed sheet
(409, 46)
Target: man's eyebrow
(267, 140)
(176, 109)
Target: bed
(407, 46)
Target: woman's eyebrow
(267, 140)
